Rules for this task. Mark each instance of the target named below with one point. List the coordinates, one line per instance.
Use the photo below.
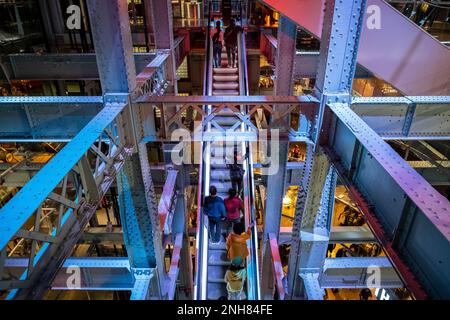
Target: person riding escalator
(217, 40)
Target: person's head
(232, 193)
(238, 228)
(212, 190)
(218, 24)
(232, 22)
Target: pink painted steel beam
(277, 266)
(166, 198)
(174, 270)
(400, 52)
(199, 100)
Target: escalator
(399, 52)
(211, 259)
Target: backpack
(216, 38)
(236, 172)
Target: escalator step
(225, 93)
(232, 71)
(226, 85)
(226, 78)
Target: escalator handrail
(203, 185)
(253, 289)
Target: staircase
(225, 80)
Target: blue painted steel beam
(62, 66)
(138, 210)
(97, 273)
(81, 262)
(20, 208)
(45, 118)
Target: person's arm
(205, 205)
(221, 39)
(224, 210)
(241, 206)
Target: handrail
(253, 289)
(201, 246)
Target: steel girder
(95, 273)
(306, 66)
(406, 118)
(356, 272)
(161, 11)
(139, 214)
(408, 216)
(67, 66)
(41, 118)
(342, 25)
(287, 35)
(45, 118)
(70, 187)
(341, 234)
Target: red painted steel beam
(174, 270)
(165, 202)
(277, 266)
(408, 277)
(212, 100)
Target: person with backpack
(235, 279)
(230, 37)
(217, 40)
(234, 207)
(236, 175)
(214, 207)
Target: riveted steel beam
(139, 215)
(67, 66)
(49, 187)
(406, 204)
(341, 31)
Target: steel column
(139, 214)
(286, 51)
(164, 41)
(337, 64)
(287, 32)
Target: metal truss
(402, 118)
(405, 204)
(406, 118)
(359, 272)
(45, 219)
(180, 106)
(94, 273)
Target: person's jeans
(214, 229)
(237, 185)
(239, 295)
(231, 54)
(230, 224)
(217, 55)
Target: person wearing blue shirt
(214, 207)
